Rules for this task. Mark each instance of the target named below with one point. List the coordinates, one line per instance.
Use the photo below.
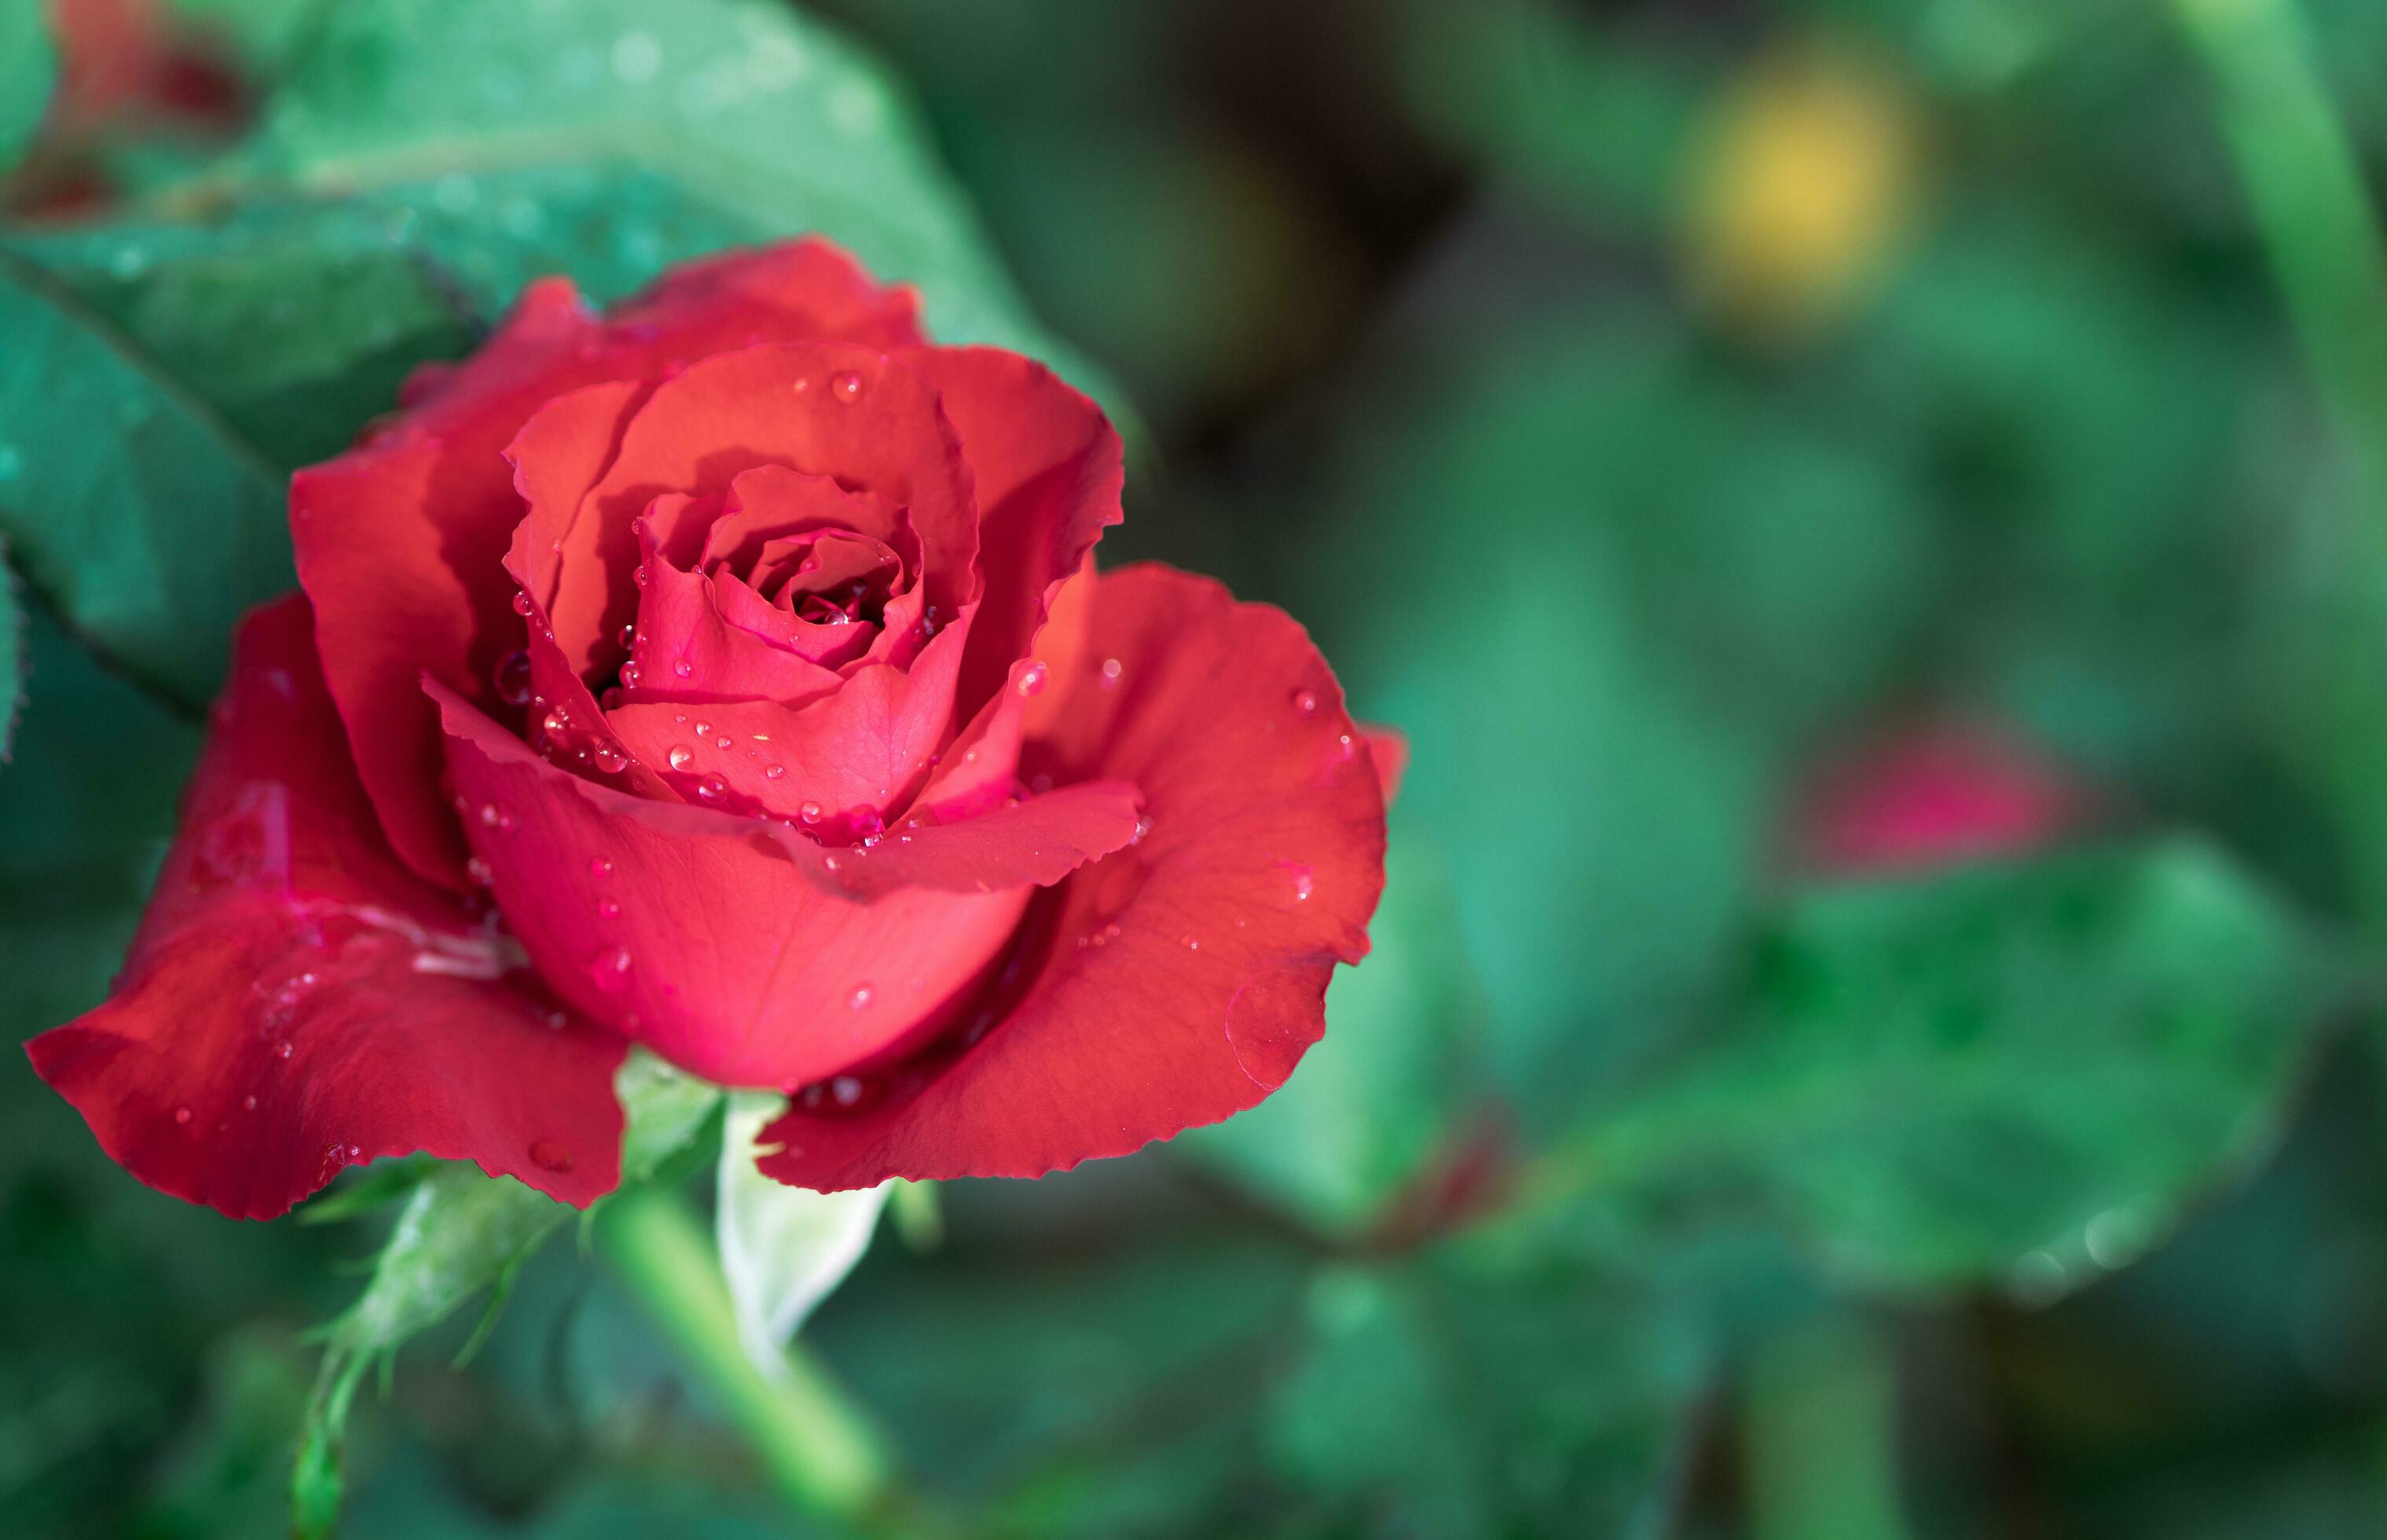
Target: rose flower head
(729, 675)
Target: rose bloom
(729, 675)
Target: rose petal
(1173, 984)
(1389, 748)
(867, 745)
(815, 408)
(298, 1000)
(691, 646)
(1048, 469)
(398, 541)
(730, 945)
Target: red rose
(729, 675)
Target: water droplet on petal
(522, 603)
(548, 1156)
(712, 789)
(282, 1048)
(1143, 828)
(182, 1115)
(599, 867)
(809, 813)
(1193, 943)
(683, 667)
(248, 1104)
(845, 1090)
(512, 678)
(608, 759)
(608, 910)
(556, 724)
(846, 387)
(1033, 680)
(1306, 701)
(611, 967)
(679, 756)
(772, 772)
(860, 999)
(1303, 886)
(1112, 669)
(478, 870)
(628, 635)
(638, 575)
(629, 676)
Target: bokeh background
(1869, 512)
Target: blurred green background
(1870, 513)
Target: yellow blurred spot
(1799, 185)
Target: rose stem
(823, 1453)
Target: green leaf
(607, 138)
(1379, 1094)
(1654, 626)
(782, 1249)
(12, 653)
(295, 325)
(1462, 1404)
(28, 67)
(2022, 1073)
(131, 507)
(87, 805)
(459, 1234)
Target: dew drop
(679, 756)
(1306, 701)
(860, 999)
(248, 1104)
(638, 575)
(1143, 828)
(683, 667)
(522, 603)
(182, 1115)
(556, 722)
(712, 789)
(845, 1090)
(608, 910)
(611, 968)
(512, 678)
(1303, 886)
(599, 867)
(721, 742)
(548, 1156)
(1112, 669)
(629, 676)
(1193, 943)
(608, 759)
(846, 387)
(703, 728)
(478, 870)
(1032, 681)
(772, 772)
(282, 1048)
(628, 635)
(809, 813)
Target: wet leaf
(2019, 1074)
(131, 507)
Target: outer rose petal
(1174, 983)
(298, 1000)
(398, 540)
(1048, 468)
(731, 946)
